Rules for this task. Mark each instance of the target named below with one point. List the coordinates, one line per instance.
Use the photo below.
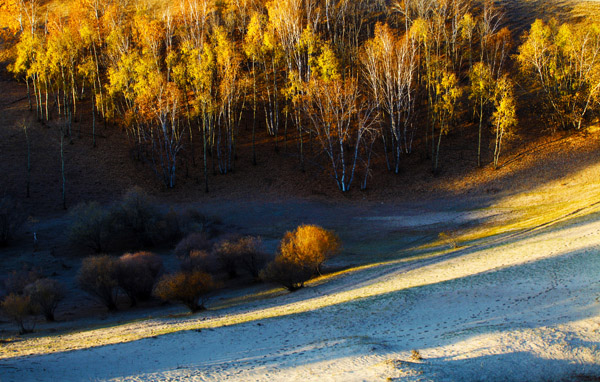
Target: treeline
(358, 77)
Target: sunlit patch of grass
(586, 11)
(546, 206)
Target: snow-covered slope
(524, 308)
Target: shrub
(91, 226)
(309, 245)
(191, 220)
(17, 280)
(18, 308)
(449, 239)
(98, 277)
(199, 261)
(288, 273)
(167, 228)
(301, 254)
(135, 222)
(241, 252)
(12, 218)
(189, 288)
(227, 256)
(45, 295)
(197, 241)
(415, 355)
(137, 273)
(250, 255)
(136, 217)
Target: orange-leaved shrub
(301, 254)
(189, 288)
(310, 245)
(137, 273)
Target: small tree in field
(242, 252)
(227, 256)
(91, 227)
(301, 254)
(98, 277)
(45, 295)
(189, 288)
(196, 241)
(137, 274)
(310, 245)
(136, 216)
(200, 261)
(18, 308)
(251, 256)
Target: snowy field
(522, 309)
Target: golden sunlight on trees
(341, 118)
(390, 64)
(311, 245)
(504, 118)
(301, 254)
(369, 82)
(564, 61)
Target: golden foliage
(301, 254)
(309, 245)
(189, 288)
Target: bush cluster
(229, 256)
(104, 276)
(137, 273)
(30, 294)
(133, 223)
(300, 257)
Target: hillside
(458, 273)
(517, 299)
